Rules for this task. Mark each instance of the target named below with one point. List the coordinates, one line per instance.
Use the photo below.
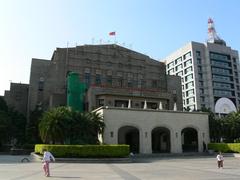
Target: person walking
(220, 160)
(47, 157)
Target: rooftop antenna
(212, 34)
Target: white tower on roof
(212, 34)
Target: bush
(225, 147)
(69, 151)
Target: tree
(54, 125)
(3, 105)
(86, 127)
(231, 126)
(32, 130)
(66, 126)
(215, 125)
(17, 126)
(4, 127)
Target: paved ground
(168, 168)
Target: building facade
(114, 76)
(210, 75)
(17, 97)
(155, 131)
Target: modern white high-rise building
(209, 72)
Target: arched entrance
(129, 135)
(189, 140)
(160, 140)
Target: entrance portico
(155, 131)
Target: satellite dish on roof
(224, 106)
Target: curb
(38, 158)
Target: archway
(160, 140)
(189, 140)
(129, 135)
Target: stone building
(17, 97)
(155, 131)
(113, 75)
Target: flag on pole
(112, 33)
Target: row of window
(223, 93)
(221, 78)
(180, 67)
(221, 71)
(221, 64)
(222, 85)
(124, 103)
(119, 82)
(218, 56)
(179, 60)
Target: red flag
(112, 33)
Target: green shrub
(69, 151)
(225, 147)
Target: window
(98, 79)
(190, 92)
(187, 55)
(170, 65)
(188, 62)
(179, 67)
(222, 93)
(154, 83)
(188, 70)
(142, 83)
(199, 61)
(222, 85)
(130, 83)
(41, 84)
(221, 78)
(191, 100)
(100, 102)
(218, 56)
(120, 82)
(171, 71)
(87, 79)
(234, 60)
(109, 80)
(180, 73)
(178, 60)
(199, 69)
(121, 103)
(198, 53)
(189, 85)
(189, 77)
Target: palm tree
(54, 125)
(66, 126)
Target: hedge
(68, 151)
(225, 147)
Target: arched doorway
(129, 135)
(189, 140)
(160, 140)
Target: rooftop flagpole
(113, 33)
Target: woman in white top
(47, 157)
(220, 160)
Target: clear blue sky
(34, 28)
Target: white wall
(147, 120)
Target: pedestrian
(220, 160)
(47, 158)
